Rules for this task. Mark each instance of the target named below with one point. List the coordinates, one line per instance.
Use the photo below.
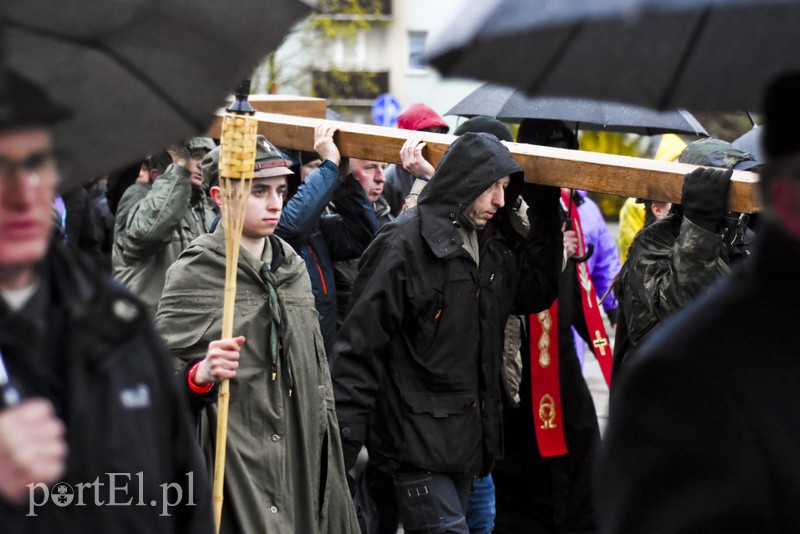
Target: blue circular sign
(385, 110)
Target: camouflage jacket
(669, 264)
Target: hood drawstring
(278, 327)
(455, 218)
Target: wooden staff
(236, 168)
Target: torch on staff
(236, 170)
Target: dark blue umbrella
(664, 54)
(511, 105)
(750, 142)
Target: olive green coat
(154, 223)
(284, 471)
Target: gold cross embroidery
(600, 342)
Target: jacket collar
(471, 165)
(440, 231)
(216, 242)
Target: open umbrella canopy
(511, 105)
(695, 54)
(751, 142)
(137, 75)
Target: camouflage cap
(269, 162)
(713, 152)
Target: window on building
(416, 47)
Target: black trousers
(432, 503)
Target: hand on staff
(570, 241)
(221, 361)
(413, 162)
(324, 145)
(32, 448)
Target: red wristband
(200, 390)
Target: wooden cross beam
(603, 173)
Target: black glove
(543, 200)
(705, 196)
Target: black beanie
(23, 103)
(308, 157)
(781, 117)
(484, 124)
(547, 132)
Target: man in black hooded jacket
(418, 357)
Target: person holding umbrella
(88, 398)
(544, 484)
(283, 469)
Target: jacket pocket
(427, 322)
(441, 432)
(183, 325)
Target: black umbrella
(695, 54)
(511, 105)
(750, 142)
(137, 74)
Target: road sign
(385, 110)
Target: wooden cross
(603, 173)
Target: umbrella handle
(589, 246)
(584, 257)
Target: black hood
(471, 164)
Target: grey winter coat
(154, 223)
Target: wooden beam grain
(603, 173)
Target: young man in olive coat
(283, 471)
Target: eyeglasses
(35, 167)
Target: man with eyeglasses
(90, 415)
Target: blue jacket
(320, 241)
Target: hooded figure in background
(676, 259)
(417, 117)
(539, 490)
(417, 360)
